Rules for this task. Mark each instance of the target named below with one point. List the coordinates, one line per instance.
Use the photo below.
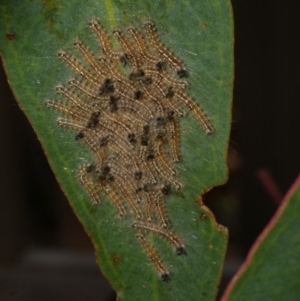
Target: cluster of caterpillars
(126, 106)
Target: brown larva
(167, 234)
(130, 197)
(78, 68)
(166, 78)
(174, 136)
(197, 111)
(154, 257)
(157, 102)
(142, 157)
(67, 110)
(161, 208)
(91, 141)
(166, 96)
(115, 73)
(104, 40)
(142, 47)
(114, 198)
(130, 53)
(162, 159)
(88, 89)
(164, 52)
(83, 178)
(165, 175)
(74, 99)
(90, 58)
(123, 176)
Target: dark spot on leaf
(10, 36)
(115, 259)
(203, 216)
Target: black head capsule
(93, 120)
(103, 141)
(166, 190)
(144, 140)
(147, 80)
(147, 187)
(131, 138)
(182, 73)
(80, 135)
(90, 168)
(170, 93)
(101, 178)
(146, 129)
(160, 121)
(105, 170)
(113, 108)
(138, 175)
(110, 178)
(150, 155)
(140, 73)
(160, 135)
(124, 59)
(107, 87)
(132, 76)
(165, 277)
(139, 189)
(137, 95)
(113, 99)
(113, 103)
(135, 75)
(160, 65)
(180, 251)
(170, 115)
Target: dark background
(43, 246)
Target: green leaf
(199, 32)
(272, 268)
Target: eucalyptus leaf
(200, 33)
(272, 268)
